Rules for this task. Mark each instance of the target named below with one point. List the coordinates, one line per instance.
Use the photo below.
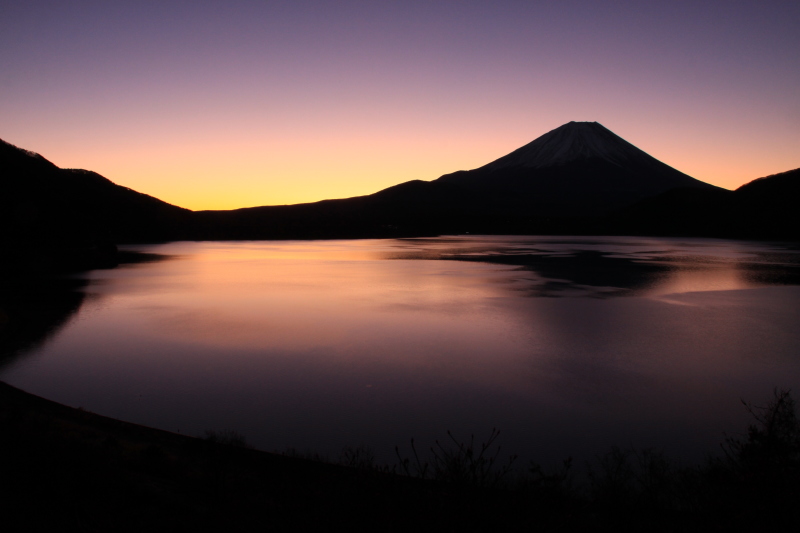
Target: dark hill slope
(769, 207)
(765, 208)
(408, 209)
(558, 183)
(578, 169)
(41, 204)
(578, 179)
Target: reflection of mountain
(577, 179)
(577, 268)
(33, 309)
(35, 304)
(584, 271)
(771, 269)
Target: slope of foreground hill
(41, 204)
(65, 469)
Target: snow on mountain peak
(570, 142)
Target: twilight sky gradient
(218, 105)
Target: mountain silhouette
(41, 205)
(580, 168)
(768, 206)
(578, 171)
(765, 208)
(579, 178)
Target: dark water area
(39, 296)
(567, 345)
(33, 309)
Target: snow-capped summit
(570, 142)
(580, 168)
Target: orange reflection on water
(305, 343)
(295, 297)
(718, 277)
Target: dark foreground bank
(66, 469)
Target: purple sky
(233, 104)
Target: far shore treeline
(579, 179)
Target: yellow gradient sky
(217, 106)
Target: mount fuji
(580, 168)
(556, 183)
(570, 142)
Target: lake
(567, 345)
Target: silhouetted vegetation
(97, 474)
(226, 437)
(755, 484)
(461, 463)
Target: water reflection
(35, 306)
(32, 310)
(602, 267)
(322, 344)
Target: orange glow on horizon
(266, 104)
(250, 173)
(201, 171)
(227, 177)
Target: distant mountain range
(579, 179)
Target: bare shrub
(458, 462)
(228, 437)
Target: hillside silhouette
(41, 205)
(764, 208)
(579, 178)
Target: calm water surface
(567, 345)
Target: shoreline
(111, 475)
(67, 469)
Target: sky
(227, 104)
